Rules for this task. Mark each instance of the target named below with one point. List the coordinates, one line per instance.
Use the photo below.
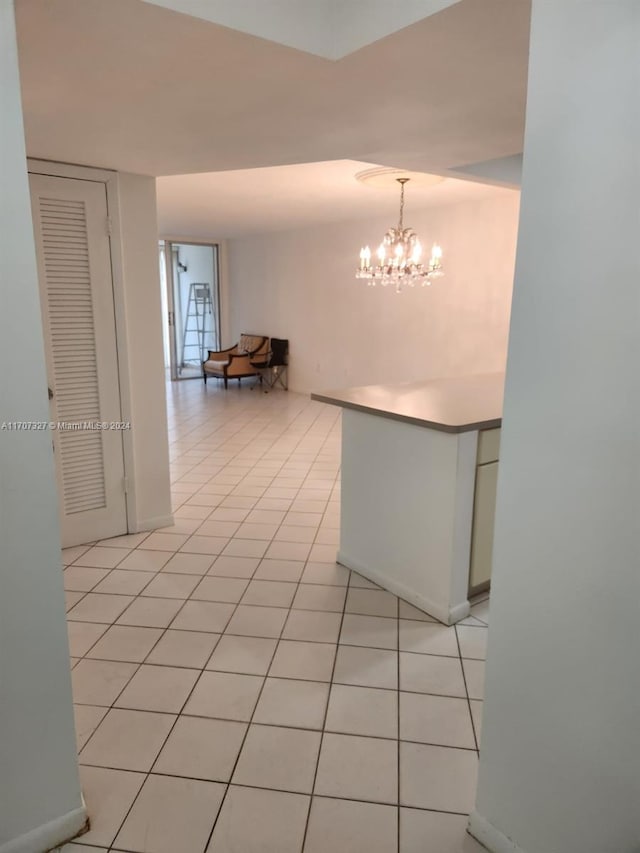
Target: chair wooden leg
(225, 383)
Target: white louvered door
(76, 297)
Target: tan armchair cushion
(213, 365)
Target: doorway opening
(189, 277)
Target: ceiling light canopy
(399, 257)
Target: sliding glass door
(191, 305)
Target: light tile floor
(239, 692)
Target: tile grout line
(272, 539)
(264, 681)
(324, 722)
(177, 717)
(230, 452)
(398, 724)
(285, 678)
(466, 690)
(138, 667)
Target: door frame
(223, 277)
(170, 279)
(170, 319)
(110, 180)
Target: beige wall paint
(300, 285)
(141, 289)
(40, 801)
(560, 756)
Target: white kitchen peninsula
(419, 470)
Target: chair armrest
(225, 352)
(239, 364)
(239, 357)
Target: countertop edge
(491, 423)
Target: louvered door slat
(66, 250)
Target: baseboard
(460, 611)
(152, 524)
(490, 837)
(51, 835)
(446, 615)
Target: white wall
(560, 756)
(40, 801)
(146, 377)
(301, 285)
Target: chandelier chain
(402, 182)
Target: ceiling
(133, 86)
(329, 28)
(222, 205)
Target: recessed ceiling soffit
(328, 28)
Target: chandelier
(398, 257)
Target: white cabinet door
(484, 511)
(76, 298)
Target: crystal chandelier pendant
(399, 257)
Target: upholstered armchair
(235, 362)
